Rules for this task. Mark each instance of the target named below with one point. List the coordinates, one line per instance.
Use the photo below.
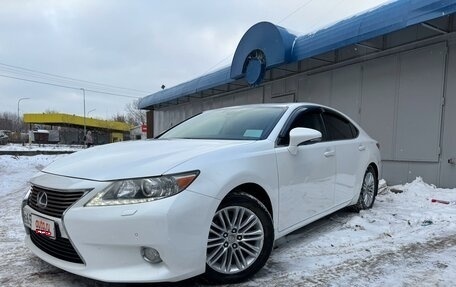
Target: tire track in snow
(350, 272)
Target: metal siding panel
(174, 117)
(278, 87)
(241, 98)
(157, 121)
(227, 101)
(220, 102)
(302, 94)
(184, 111)
(408, 35)
(447, 170)
(318, 88)
(207, 104)
(279, 73)
(291, 84)
(420, 104)
(267, 94)
(286, 98)
(378, 101)
(395, 172)
(254, 96)
(345, 91)
(428, 171)
(196, 106)
(399, 172)
(401, 37)
(161, 117)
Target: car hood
(134, 159)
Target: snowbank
(37, 147)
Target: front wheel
(240, 239)
(368, 191)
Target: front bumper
(109, 239)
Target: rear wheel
(240, 239)
(369, 190)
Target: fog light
(151, 255)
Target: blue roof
(285, 47)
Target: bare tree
(134, 116)
(51, 111)
(9, 121)
(119, 118)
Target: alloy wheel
(368, 189)
(235, 240)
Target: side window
(305, 119)
(339, 128)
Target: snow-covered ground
(39, 147)
(405, 240)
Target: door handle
(329, 153)
(361, 147)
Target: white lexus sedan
(208, 196)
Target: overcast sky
(131, 47)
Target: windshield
(238, 123)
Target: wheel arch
(256, 191)
(375, 167)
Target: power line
(283, 19)
(69, 87)
(70, 78)
(37, 77)
(218, 63)
(295, 11)
(331, 12)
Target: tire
(240, 239)
(368, 191)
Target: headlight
(131, 191)
(27, 194)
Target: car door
(351, 155)
(306, 179)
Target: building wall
(448, 139)
(397, 99)
(405, 100)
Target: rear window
(338, 127)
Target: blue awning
(288, 48)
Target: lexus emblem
(42, 200)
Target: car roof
(279, 105)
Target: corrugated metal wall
(448, 170)
(397, 99)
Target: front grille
(57, 201)
(60, 247)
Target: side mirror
(301, 135)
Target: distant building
(69, 129)
(138, 132)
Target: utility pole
(84, 99)
(18, 115)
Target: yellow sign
(66, 119)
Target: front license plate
(43, 226)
